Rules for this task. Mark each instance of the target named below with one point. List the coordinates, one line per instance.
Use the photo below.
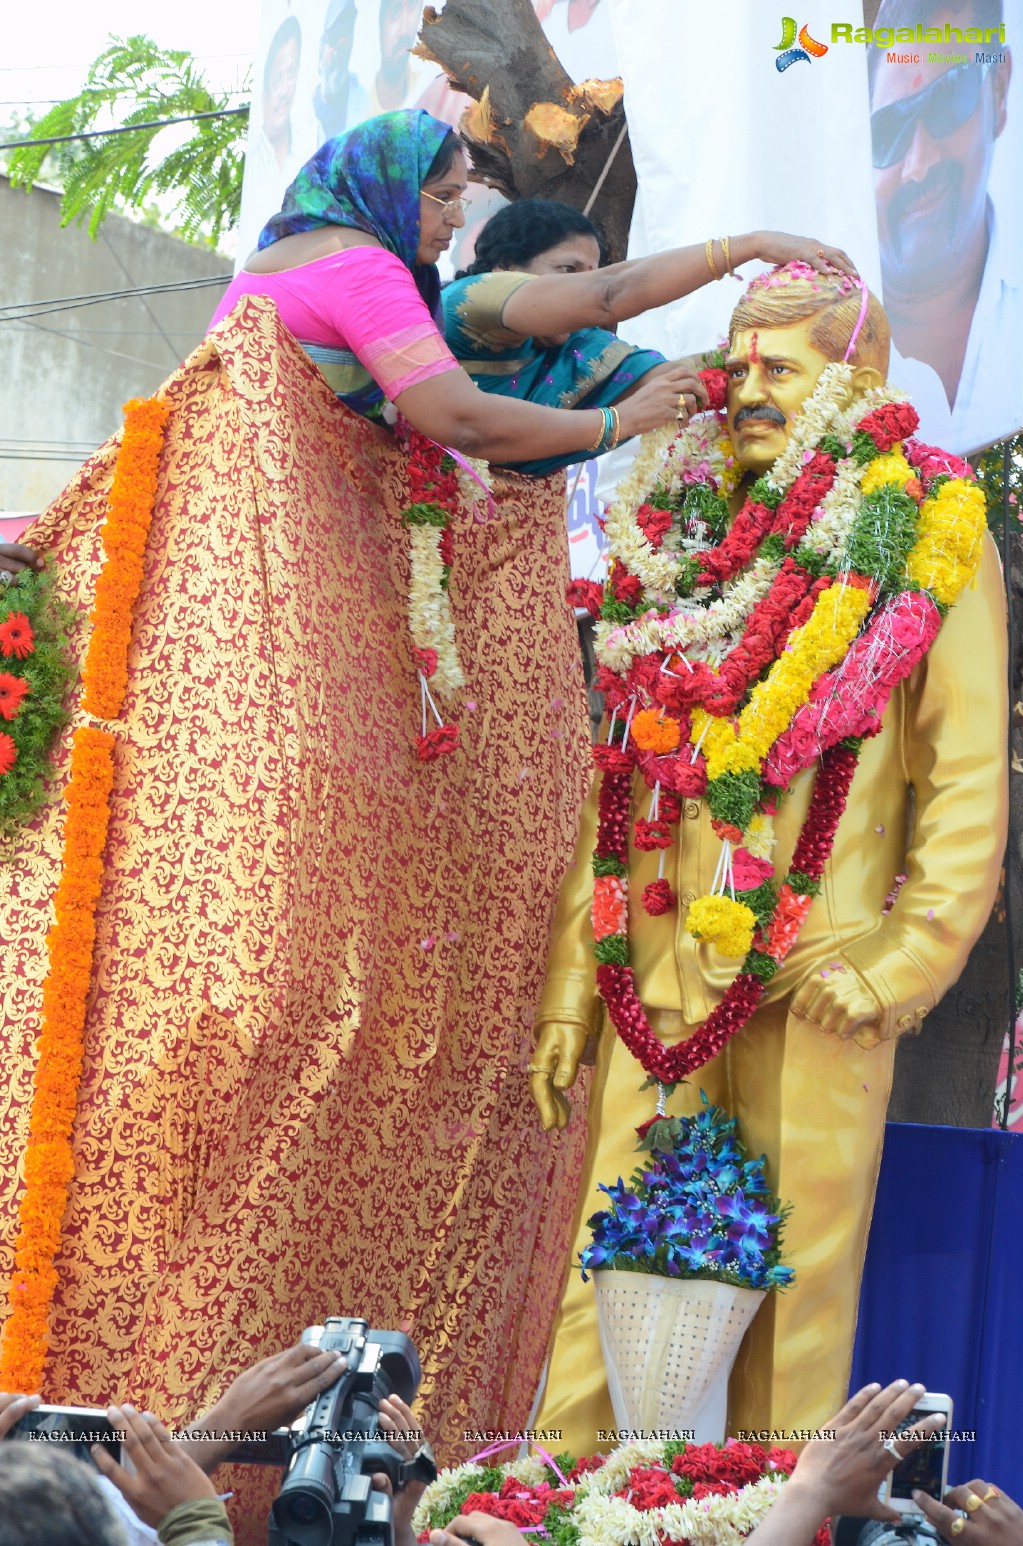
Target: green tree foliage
(990, 466)
(202, 177)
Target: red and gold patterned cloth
(317, 959)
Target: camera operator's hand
(164, 1475)
(270, 1393)
(476, 1527)
(396, 1422)
(13, 1409)
(992, 1518)
(841, 1475)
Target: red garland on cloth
(616, 983)
(585, 593)
(437, 743)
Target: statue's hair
(835, 310)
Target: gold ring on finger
(992, 1492)
(957, 1526)
(973, 1503)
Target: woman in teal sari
(535, 315)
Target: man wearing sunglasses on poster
(952, 274)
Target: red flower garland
(616, 982)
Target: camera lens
(303, 1510)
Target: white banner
(742, 118)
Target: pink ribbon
(864, 303)
(456, 456)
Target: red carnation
(446, 547)
(437, 743)
(585, 593)
(626, 587)
(16, 637)
(713, 1490)
(658, 898)
(741, 1463)
(889, 423)
(649, 1489)
(426, 660)
(612, 759)
(698, 1461)
(654, 524)
(781, 1460)
(649, 835)
(587, 1463)
(12, 690)
(8, 753)
(716, 382)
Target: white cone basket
(665, 1340)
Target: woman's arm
(561, 303)
(451, 409)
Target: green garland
(50, 670)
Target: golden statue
(906, 891)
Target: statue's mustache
(763, 411)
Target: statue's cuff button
(691, 810)
(689, 897)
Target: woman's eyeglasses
(450, 208)
(942, 107)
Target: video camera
(327, 1498)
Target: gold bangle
(709, 251)
(617, 431)
(728, 260)
(600, 435)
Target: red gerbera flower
(16, 637)
(8, 753)
(12, 690)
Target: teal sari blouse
(591, 370)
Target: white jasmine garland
(815, 418)
(430, 620)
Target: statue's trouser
(815, 1106)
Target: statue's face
(771, 372)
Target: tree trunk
(532, 131)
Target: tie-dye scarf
(369, 178)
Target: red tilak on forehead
(754, 357)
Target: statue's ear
(865, 377)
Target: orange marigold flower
(12, 690)
(654, 731)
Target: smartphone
(925, 1469)
(74, 1428)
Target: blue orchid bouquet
(699, 1208)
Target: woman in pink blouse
(350, 263)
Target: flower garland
(642, 1494)
(436, 482)
(734, 654)
(49, 1158)
(36, 671)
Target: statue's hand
(557, 1053)
(841, 1004)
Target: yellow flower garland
(813, 649)
(948, 550)
(49, 1156)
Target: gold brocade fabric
(318, 960)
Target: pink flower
(748, 872)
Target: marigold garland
(767, 645)
(49, 1157)
(125, 530)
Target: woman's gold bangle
(728, 260)
(709, 250)
(616, 432)
(600, 436)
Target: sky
(48, 50)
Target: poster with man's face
(945, 130)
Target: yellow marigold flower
(948, 550)
(654, 731)
(890, 468)
(726, 923)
